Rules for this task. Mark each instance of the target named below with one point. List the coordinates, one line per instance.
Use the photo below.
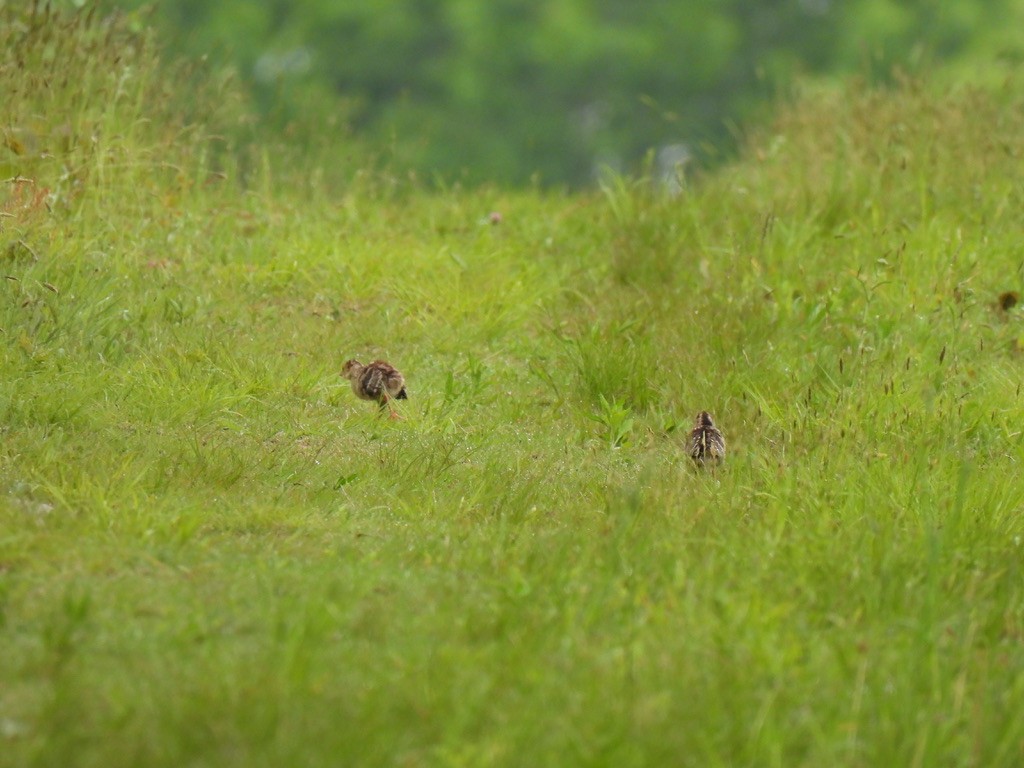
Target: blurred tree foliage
(514, 90)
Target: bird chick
(706, 441)
(379, 381)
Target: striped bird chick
(706, 442)
(379, 381)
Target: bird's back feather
(381, 380)
(706, 441)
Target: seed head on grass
(1008, 300)
(379, 381)
(707, 446)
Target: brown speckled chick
(706, 442)
(379, 381)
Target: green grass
(212, 554)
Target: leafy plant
(617, 419)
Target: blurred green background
(553, 91)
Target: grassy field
(212, 554)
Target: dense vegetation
(212, 554)
(511, 90)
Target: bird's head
(351, 369)
(704, 420)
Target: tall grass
(212, 554)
